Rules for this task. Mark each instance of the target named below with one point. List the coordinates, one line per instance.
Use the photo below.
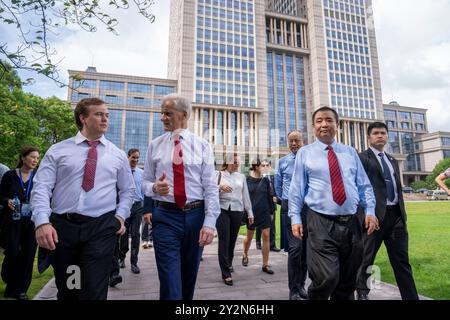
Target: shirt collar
(377, 152)
(79, 138)
(324, 146)
(184, 133)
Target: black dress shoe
(267, 270)
(114, 280)
(22, 296)
(302, 293)
(135, 269)
(228, 282)
(121, 263)
(295, 296)
(275, 249)
(245, 261)
(362, 296)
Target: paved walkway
(250, 283)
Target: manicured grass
(37, 283)
(429, 247)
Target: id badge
(26, 210)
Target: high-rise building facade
(133, 103)
(258, 69)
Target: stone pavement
(250, 283)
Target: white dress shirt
(60, 176)
(391, 169)
(198, 161)
(239, 198)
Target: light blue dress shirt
(137, 176)
(311, 182)
(283, 176)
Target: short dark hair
(25, 151)
(133, 150)
(83, 108)
(376, 125)
(326, 108)
(255, 163)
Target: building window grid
(244, 49)
(114, 133)
(352, 40)
(137, 130)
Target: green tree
(26, 119)
(416, 185)
(35, 23)
(438, 169)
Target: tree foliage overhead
(37, 21)
(29, 120)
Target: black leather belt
(78, 218)
(343, 218)
(174, 206)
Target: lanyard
(28, 186)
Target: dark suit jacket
(375, 174)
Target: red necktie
(337, 185)
(90, 166)
(179, 191)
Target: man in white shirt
(179, 176)
(74, 204)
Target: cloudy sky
(413, 38)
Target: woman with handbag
(262, 204)
(234, 199)
(18, 231)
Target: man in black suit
(384, 174)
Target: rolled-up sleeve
(297, 189)
(279, 182)
(210, 188)
(148, 178)
(127, 188)
(43, 184)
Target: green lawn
(38, 282)
(429, 248)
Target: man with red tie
(330, 180)
(74, 204)
(179, 176)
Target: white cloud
(413, 38)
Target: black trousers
(334, 254)
(394, 233)
(272, 233)
(20, 249)
(146, 234)
(227, 224)
(297, 265)
(87, 244)
(132, 225)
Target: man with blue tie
(179, 175)
(330, 180)
(296, 247)
(384, 174)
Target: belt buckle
(344, 218)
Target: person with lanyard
(296, 247)
(18, 229)
(384, 174)
(83, 193)
(179, 176)
(329, 178)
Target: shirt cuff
(149, 190)
(210, 222)
(295, 219)
(122, 214)
(370, 212)
(250, 214)
(40, 219)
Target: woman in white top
(234, 199)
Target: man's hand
(371, 224)
(275, 200)
(226, 188)
(46, 236)
(251, 220)
(206, 236)
(121, 230)
(297, 230)
(11, 204)
(148, 218)
(162, 186)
